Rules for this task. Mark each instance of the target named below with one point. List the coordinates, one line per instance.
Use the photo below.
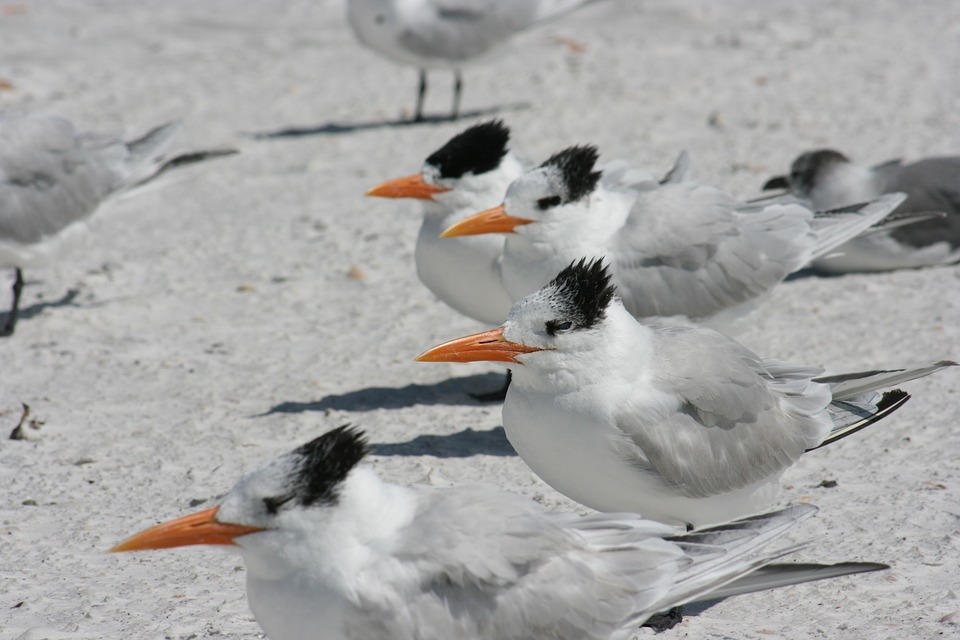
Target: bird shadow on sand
(453, 391)
(35, 309)
(463, 444)
(808, 272)
(338, 128)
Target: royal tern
(333, 552)
(679, 424)
(828, 179)
(677, 248)
(446, 34)
(470, 172)
(53, 179)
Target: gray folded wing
(691, 250)
(479, 563)
(736, 419)
(932, 184)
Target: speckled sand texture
(239, 309)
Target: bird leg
(421, 94)
(11, 323)
(457, 89)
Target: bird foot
(660, 622)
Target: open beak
(196, 528)
(409, 187)
(488, 346)
(493, 220)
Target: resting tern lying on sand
(828, 179)
(333, 552)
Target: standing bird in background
(334, 553)
(828, 179)
(53, 179)
(446, 34)
(680, 424)
(470, 172)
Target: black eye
(546, 203)
(555, 326)
(274, 503)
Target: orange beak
(493, 220)
(196, 528)
(409, 187)
(488, 346)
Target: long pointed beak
(488, 346)
(772, 195)
(493, 220)
(408, 187)
(196, 528)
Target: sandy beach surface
(235, 310)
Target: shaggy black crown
(806, 169)
(576, 165)
(584, 291)
(320, 466)
(477, 150)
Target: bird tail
(147, 158)
(857, 403)
(724, 565)
(723, 554)
(680, 171)
(902, 219)
(146, 155)
(836, 226)
(772, 576)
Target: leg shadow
(67, 300)
(335, 128)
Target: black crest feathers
(806, 168)
(576, 164)
(585, 291)
(324, 463)
(476, 150)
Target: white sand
(216, 324)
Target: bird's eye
(273, 503)
(379, 18)
(555, 326)
(546, 203)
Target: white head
(571, 331)
(473, 166)
(551, 199)
(826, 178)
(305, 504)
